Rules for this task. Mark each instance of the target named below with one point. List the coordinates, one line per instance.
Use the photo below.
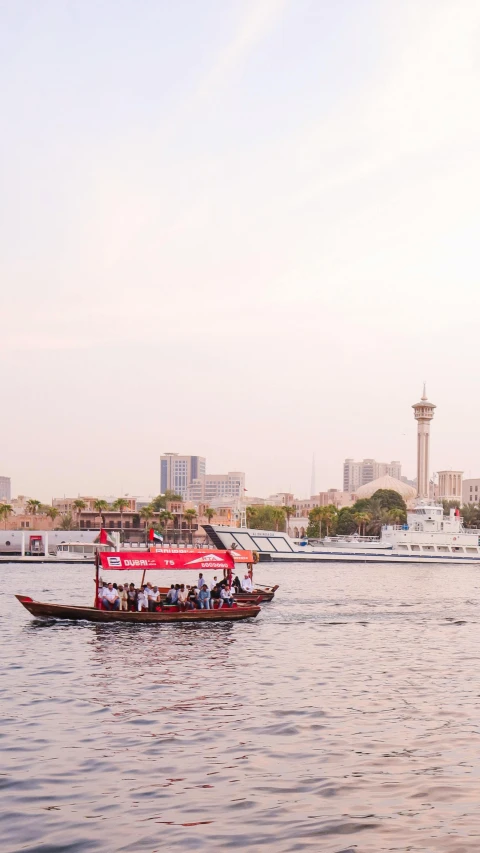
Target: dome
(407, 492)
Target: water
(345, 718)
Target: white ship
(427, 537)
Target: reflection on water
(345, 718)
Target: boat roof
(173, 559)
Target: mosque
(423, 413)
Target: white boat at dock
(427, 537)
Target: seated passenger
(152, 597)
(204, 598)
(123, 596)
(172, 595)
(225, 597)
(182, 597)
(111, 600)
(142, 600)
(132, 597)
(236, 584)
(247, 585)
(192, 597)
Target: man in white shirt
(213, 584)
(142, 600)
(111, 600)
(247, 584)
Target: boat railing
(348, 537)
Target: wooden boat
(44, 610)
(171, 561)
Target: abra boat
(131, 561)
(427, 537)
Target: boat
(131, 561)
(79, 552)
(428, 537)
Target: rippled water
(345, 718)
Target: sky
(244, 229)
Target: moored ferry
(427, 537)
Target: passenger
(204, 598)
(152, 597)
(172, 595)
(115, 586)
(247, 585)
(201, 581)
(225, 597)
(192, 597)
(111, 600)
(182, 597)
(142, 600)
(236, 584)
(132, 597)
(215, 588)
(123, 596)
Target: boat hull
(45, 610)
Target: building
(5, 488)
(450, 486)
(67, 505)
(423, 413)
(332, 497)
(471, 491)
(209, 487)
(408, 493)
(177, 472)
(356, 474)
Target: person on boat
(201, 581)
(204, 598)
(182, 597)
(247, 585)
(172, 595)
(111, 599)
(192, 597)
(123, 596)
(132, 597)
(225, 597)
(153, 598)
(142, 600)
(236, 584)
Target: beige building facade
(450, 486)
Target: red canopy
(173, 559)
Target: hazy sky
(247, 230)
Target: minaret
(423, 412)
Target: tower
(423, 413)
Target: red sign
(173, 559)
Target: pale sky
(245, 230)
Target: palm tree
(330, 516)
(164, 517)
(317, 515)
(100, 507)
(190, 515)
(361, 519)
(78, 506)
(52, 512)
(66, 522)
(209, 513)
(120, 505)
(33, 506)
(5, 512)
(147, 514)
(289, 511)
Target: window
(443, 548)
(428, 548)
(415, 547)
(471, 550)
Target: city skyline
(279, 173)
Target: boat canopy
(176, 558)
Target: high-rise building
(423, 413)
(177, 472)
(356, 474)
(5, 488)
(209, 487)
